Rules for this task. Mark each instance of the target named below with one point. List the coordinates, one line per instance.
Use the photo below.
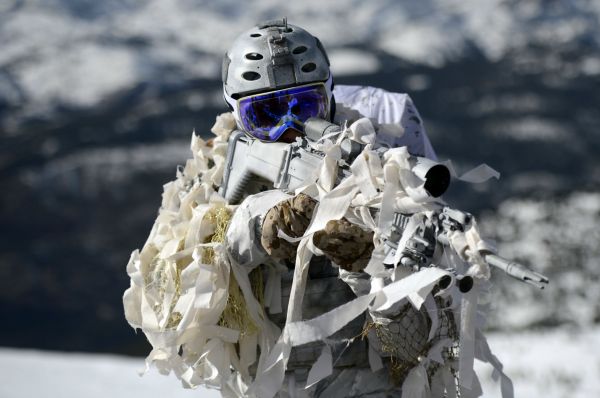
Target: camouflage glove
(346, 244)
(342, 242)
(292, 217)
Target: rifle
(252, 166)
(419, 248)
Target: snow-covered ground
(552, 364)
(29, 374)
(561, 363)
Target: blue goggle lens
(268, 116)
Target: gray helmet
(271, 56)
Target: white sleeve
(243, 234)
(400, 123)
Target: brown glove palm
(346, 244)
(342, 242)
(292, 217)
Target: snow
(26, 374)
(532, 128)
(63, 52)
(86, 79)
(559, 239)
(591, 66)
(408, 43)
(85, 172)
(551, 364)
(352, 62)
(558, 363)
(417, 82)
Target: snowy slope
(28, 374)
(560, 363)
(542, 365)
(558, 238)
(77, 53)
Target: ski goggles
(267, 116)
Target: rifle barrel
(517, 271)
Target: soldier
(275, 77)
(372, 313)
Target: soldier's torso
(324, 292)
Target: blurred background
(98, 101)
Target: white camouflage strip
(199, 292)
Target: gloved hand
(346, 244)
(292, 217)
(342, 242)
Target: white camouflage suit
(397, 123)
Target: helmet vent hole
(255, 35)
(309, 67)
(299, 50)
(254, 56)
(251, 76)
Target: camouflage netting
(404, 341)
(205, 315)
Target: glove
(292, 217)
(346, 244)
(342, 242)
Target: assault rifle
(419, 248)
(252, 166)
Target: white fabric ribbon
(416, 384)
(320, 328)
(198, 292)
(322, 368)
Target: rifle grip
(235, 193)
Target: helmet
(269, 72)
